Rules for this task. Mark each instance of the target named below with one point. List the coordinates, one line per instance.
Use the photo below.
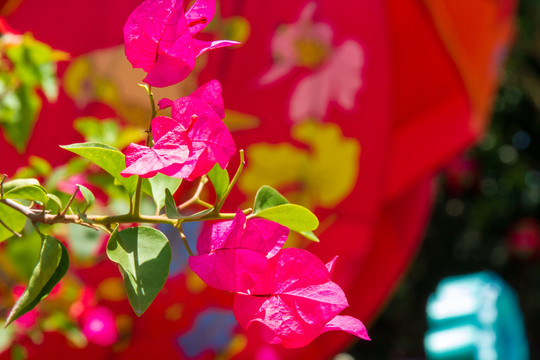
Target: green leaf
(35, 65)
(144, 256)
(106, 157)
(24, 253)
(56, 200)
(309, 235)
(7, 336)
(17, 131)
(267, 197)
(41, 166)
(220, 180)
(158, 185)
(28, 192)
(107, 131)
(170, 206)
(12, 218)
(10, 104)
(295, 217)
(10, 185)
(52, 265)
(83, 242)
(89, 198)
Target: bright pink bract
(295, 301)
(233, 254)
(158, 39)
(188, 145)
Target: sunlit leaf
(269, 198)
(89, 198)
(52, 265)
(143, 255)
(158, 185)
(295, 217)
(220, 180)
(106, 157)
(12, 218)
(10, 185)
(28, 192)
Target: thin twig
(184, 239)
(195, 197)
(219, 205)
(4, 177)
(204, 203)
(37, 216)
(64, 211)
(136, 208)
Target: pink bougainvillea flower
(233, 254)
(188, 145)
(158, 39)
(295, 301)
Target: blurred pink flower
(338, 80)
(99, 326)
(233, 254)
(303, 43)
(295, 301)
(158, 39)
(188, 145)
(335, 70)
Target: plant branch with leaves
(235, 251)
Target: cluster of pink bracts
(286, 293)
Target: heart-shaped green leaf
(269, 198)
(52, 265)
(106, 157)
(144, 256)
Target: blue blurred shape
(213, 330)
(179, 254)
(475, 317)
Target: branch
(4, 177)
(100, 221)
(233, 182)
(195, 197)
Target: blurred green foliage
(26, 66)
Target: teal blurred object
(475, 317)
